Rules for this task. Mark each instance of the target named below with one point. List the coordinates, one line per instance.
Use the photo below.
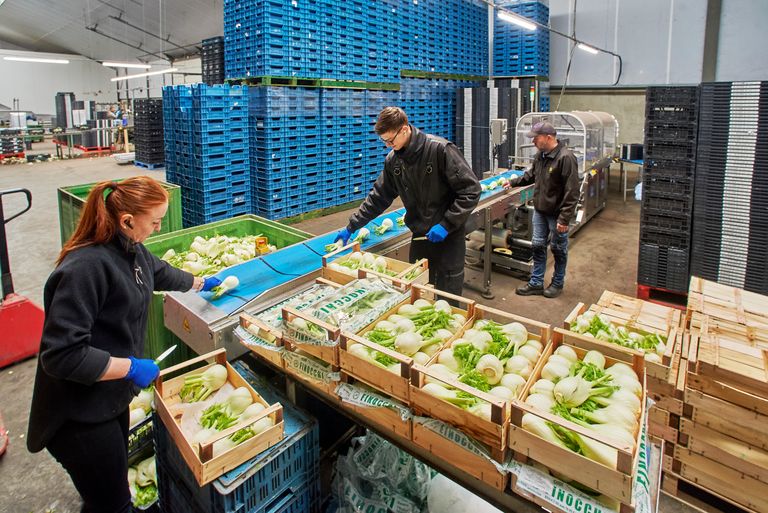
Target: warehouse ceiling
(124, 30)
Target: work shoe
(529, 290)
(552, 291)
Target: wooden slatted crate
(417, 272)
(613, 482)
(204, 465)
(396, 385)
(493, 431)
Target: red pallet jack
(3, 437)
(21, 320)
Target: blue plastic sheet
(505, 174)
(255, 278)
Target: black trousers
(96, 458)
(446, 260)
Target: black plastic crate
(657, 94)
(683, 132)
(649, 235)
(669, 150)
(682, 168)
(668, 187)
(667, 206)
(660, 220)
(662, 267)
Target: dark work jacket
(432, 178)
(96, 306)
(556, 175)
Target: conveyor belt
(264, 273)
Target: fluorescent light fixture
(36, 59)
(517, 20)
(147, 74)
(137, 65)
(587, 48)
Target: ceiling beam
(97, 31)
(167, 40)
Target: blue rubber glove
(210, 283)
(343, 236)
(437, 233)
(142, 372)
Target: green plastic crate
(159, 338)
(72, 199)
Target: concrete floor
(603, 255)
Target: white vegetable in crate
(513, 382)
(567, 352)
(490, 367)
(421, 303)
(535, 344)
(543, 386)
(519, 365)
(516, 332)
(530, 353)
(596, 358)
(503, 393)
(479, 339)
(421, 358)
(386, 326)
(482, 410)
(408, 343)
(440, 371)
(136, 415)
(540, 401)
(441, 305)
(445, 357)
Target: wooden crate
(269, 334)
(384, 419)
(398, 267)
(734, 312)
(398, 386)
(316, 375)
(637, 314)
(731, 452)
(661, 371)
(728, 418)
(727, 359)
(459, 457)
(204, 466)
(490, 432)
(663, 424)
(695, 496)
(615, 483)
(729, 484)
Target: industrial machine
(592, 136)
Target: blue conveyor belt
(264, 273)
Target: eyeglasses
(391, 140)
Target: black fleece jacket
(96, 305)
(556, 175)
(432, 178)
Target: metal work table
(623, 175)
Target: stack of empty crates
(731, 229)
(12, 143)
(213, 60)
(148, 132)
(671, 120)
(518, 51)
(206, 143)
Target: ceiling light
(587, 48)
(517, 20)
(35, 59)
(147, 74)
(138, 65)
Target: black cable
(279, 272)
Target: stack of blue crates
(358, 40)
(518, 51)
(283, 479)
(206, 140)
(431, 104)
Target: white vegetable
(386, 326)
(540, 401)
(441, 305)
(441, 371)
(513, 382)
(408, 310)
(222, 446)
(482, 410)
(135, 416)
(460, 318)
(229, 283)
(621, 368)
(652, 357)
(554, 371)
(479, 339)
(203, 435)
(369, 260)
(408, 343)
(490, 366)
(516, 332)
(443, 334)
(535, 344)
(445, 357)
(529, 352)
(561, 360)
(262, 424)
(519, 365)
(421, 358)
(253, 410)
(405, 325)
(596, 358)
(421, 303)
(567, 352)
(543, 386)
(431, 349)
(628, 383)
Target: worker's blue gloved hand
(437, 233)
(142, 372)
(343, 236)
(210, 283)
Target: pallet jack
(20, 318)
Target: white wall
(660, 41)
(155, 83)
(36, 84)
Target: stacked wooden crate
(723, 433)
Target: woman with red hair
(90, 364)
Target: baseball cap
(541, 128)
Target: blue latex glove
(343, 236)
(210, 283)
(437, 233)
(142, 372)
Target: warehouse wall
(36, 84)
(627, 105)
(660, 41)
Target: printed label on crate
(365, 456)
(454, 435)
(359, 397)
(570, 500)
(251, 339)
(310, 368)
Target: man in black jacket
(438, 189)
(555, 173)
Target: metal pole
(487, 250)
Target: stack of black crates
(148, 133)
(730, 237)
(213, 60)
(671, 120)
(11, 143)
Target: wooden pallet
(149, 166)
(695, 496)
